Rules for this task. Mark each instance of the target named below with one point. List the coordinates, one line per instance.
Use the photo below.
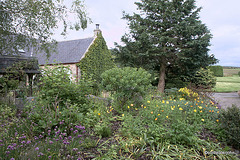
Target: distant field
(227, 84)
(230, 71)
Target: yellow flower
(181, 99)
(163, 101)
(217, 111)
(123, 115)
(200, 107)
(131, 104)
(136, 109)
(172, 108)
(152, 112)
(128, 107)
(195, 110)
(148, 101)
(157, 105)
(212, 110)
(167, 102)
(166, 116)
(145, 107)
(156, 119)
(200, 111)
(202, 120)
(99, 114)
(180, 109)
(60, 112)
(217, 120)
(158, 114)
(57, 106)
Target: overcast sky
(222, 18)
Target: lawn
(227, 84)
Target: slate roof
(67, 52)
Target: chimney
(97, 30)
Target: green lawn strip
(229, 79)
(227, 87)
(227, 84)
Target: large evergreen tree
(31, 23)
(166, 34)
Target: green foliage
(230, 125)
(217, 70)
(31, 23)
(203, 78)
(15, 74)
(103, 129)
(57, 88)
(97, 60)
(167, 37)
(126, 84)
(239, 73)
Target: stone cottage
(68, 53)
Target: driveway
(227, 99)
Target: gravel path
(227, 99)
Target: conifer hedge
(217, 70)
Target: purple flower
(71, 129)
(1, 141)
(36, 149)
(75, 149)
(28, 142)
(75, 131)
(12, 159)
(51, 142)
(70, 137)
(48, 149)
(7, 152)
(23, 142)
(49, 157)
(79, 135)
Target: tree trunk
(162, 75)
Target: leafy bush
(217, 70)
(56, 87)
(230, 125)
(203, 78)
(126, 84)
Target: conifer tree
(166, 34)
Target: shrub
(56, 87)
(126, 84)
(230, 125)
(217, 70)
(203, 78)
